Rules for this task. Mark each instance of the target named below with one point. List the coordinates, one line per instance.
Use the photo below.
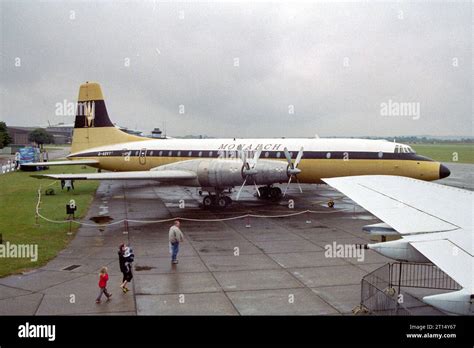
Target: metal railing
(381, 301)
(7, 167)
(381, 290)
(421, 275)
(378, 295)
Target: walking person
(126, 258)
(17, 160)
(175, 237)
(103, 278)
(68, 184)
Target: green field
(18, 199)
(446, 152)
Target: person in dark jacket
(126, 258)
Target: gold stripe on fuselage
(312, 170)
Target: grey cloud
(289, 54)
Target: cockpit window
(403, 149)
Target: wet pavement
(250, 266)
(462, 176)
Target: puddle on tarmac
(212, 249)
(101, 219)
(361, 217)
(143, 268)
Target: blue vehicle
(29, 154)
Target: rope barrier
(248, 215)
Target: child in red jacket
(103, 278)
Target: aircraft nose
(444, 172)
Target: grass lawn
(446, 152)
(18, 198)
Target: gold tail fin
(92, 127)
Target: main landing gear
(220, 201)
(216, 201)
(271, 193)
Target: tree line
(38, 136)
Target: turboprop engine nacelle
(224, 173)
(400, 250)
(457, 302)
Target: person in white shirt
(175, 237)
(17, 160)
(68, 184)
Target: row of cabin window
(266, 154)
(190, 153)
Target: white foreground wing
(162, 176)
(409, 205)
(434, 219)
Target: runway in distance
(218, 165)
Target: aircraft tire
(221, 202)
(275, 194)
(207, 202)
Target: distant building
(19, 135)
(62, 134)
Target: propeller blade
(244, 158)
(287, 186)
(256, 156)
(256, 187)
(240, 190)
(299, 186)
(239, 151)
(288, 157)
(298, 158)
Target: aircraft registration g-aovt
(217, 165)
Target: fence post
(399, 277)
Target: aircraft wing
(60, 163)
(162, 176)
(409, 205)
(434, 219)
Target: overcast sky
(243, 69)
